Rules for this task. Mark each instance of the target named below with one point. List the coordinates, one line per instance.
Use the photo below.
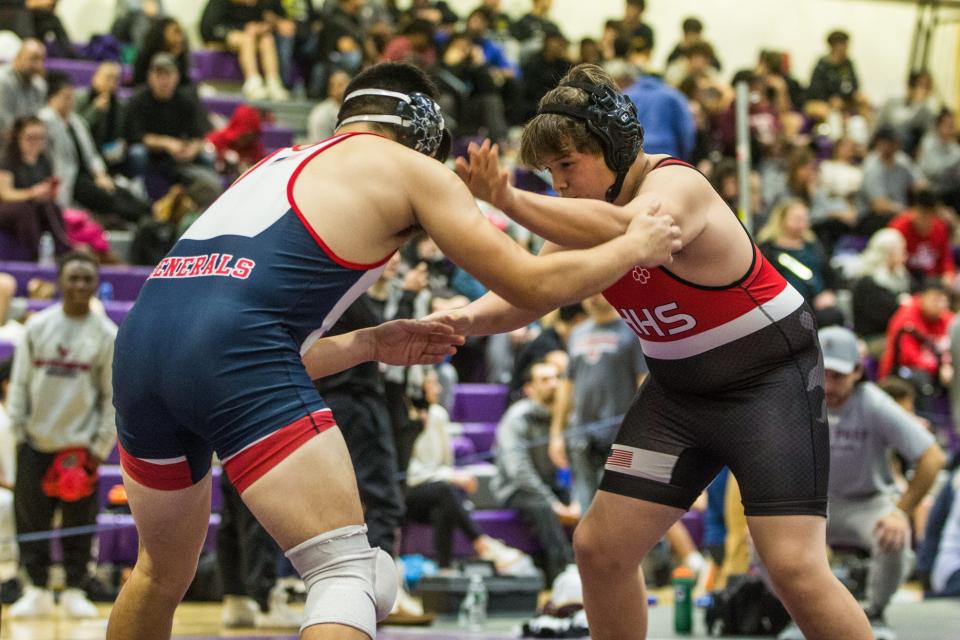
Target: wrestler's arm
(449, 214)
(400, 342)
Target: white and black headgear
(417, 117)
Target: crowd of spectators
(854, 200)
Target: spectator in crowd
(8, 468)
(864, 508)
(918, 340)
(830, 218)
(437, 12)
(791, 247)
(22, 87)
(668, 124)
(134, 19)
(834, 83)
(303, 47)
(435, 488)
(501, 24)
(247, 557)
(526, 479)
(469, 89)
(882, 285)
(945, 576)
(550, 344)
(247, 27)
(341, 43)
(772, 66)
(929, 253)
(841, 176)
(590, 52)
(165, 36)
(323, 117)
(61, 408)
(15, 18)
(692, 33)
(101, 108)
(414, 44)
(633, 28)
(165, 128)
(543, 70)
(48, 28)
(913, 114)
(28, 189)
(888, 178)
(695, 61)
(84, 179)
(939, 158)
(606, 368)
(531, 29)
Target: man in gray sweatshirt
(61, 399)
(526, 478)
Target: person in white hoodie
(61, 400)
(435, 488)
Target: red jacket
(929, 254)
(914, 351)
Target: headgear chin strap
(612, 118)
(417, 118)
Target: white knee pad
(348, 582)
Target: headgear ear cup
(612, 118)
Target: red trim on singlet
(671, 162)
(250, 464)
(164, 477)
(293, 205)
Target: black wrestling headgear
(612, 118)
(417, 118)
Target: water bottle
(106, 291)
(683, 582)
(473, 609)
(45, 253)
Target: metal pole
(743, 155)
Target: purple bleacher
(693, 521)
(116, 310)
(504, 524)
(127, 281)
(209, 64)
(479, 402)
(482, 434)
(6, 349)
(463, 447)
(277, 136)
(110, 476)
(117, 539)
(223, 104)
(81, 71)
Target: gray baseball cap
(163, 61)
(840, 350)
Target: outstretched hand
(408, 342)
(482, 174)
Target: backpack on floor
(745, 607)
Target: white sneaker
(506, 559)
(279, 615)
(34, 603)
(74, 604)
(276, 90)
(253, 88)
(239, 612)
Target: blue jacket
(666, 118)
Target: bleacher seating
(126, 280)
(479, 402)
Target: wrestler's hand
(407, 342)
(657, 236)
(458, 321)
(484, 177)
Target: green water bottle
(683, 582)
